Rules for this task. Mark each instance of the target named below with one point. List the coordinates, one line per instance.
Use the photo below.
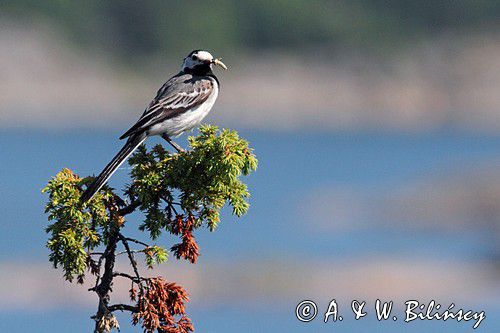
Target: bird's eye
(194, 57)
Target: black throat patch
(199, 70)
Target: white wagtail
(180, 104)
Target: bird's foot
(173, 144)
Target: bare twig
(128, 239)
(170, 204)
(128, 276)
(133, 251)
(124, 240)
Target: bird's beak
(219, 62)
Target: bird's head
(200, 62)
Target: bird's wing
(178, 95)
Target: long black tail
(132, 143)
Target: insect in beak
(219, 62)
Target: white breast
(188, 120)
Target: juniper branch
(203, 178)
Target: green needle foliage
(74, 230)
(207, 177)
(177, 193)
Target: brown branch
(133, 251)
(170, 204)
(123, 307)
(99, 265)
(128, 276)
(104, 283)
(131, 257)
(104, 287)
(129, 209)
(128, 239)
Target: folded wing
(178, 95)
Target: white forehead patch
(204, 56)
(201, 57)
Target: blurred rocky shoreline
(447, 81)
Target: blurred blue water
(291, 165)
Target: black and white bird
(180, 105)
